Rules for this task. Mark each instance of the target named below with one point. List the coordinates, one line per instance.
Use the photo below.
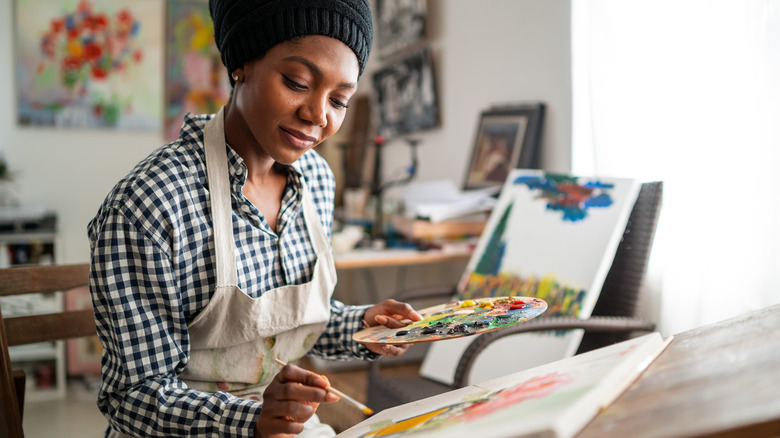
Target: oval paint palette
(457, 319)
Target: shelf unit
(27, 237)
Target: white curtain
(688, 92)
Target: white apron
(234, 339)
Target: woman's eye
(292, 84)
(339, 104)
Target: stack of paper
(440, 200)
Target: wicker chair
(611, 321)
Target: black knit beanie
(245, 30)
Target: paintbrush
(365, 409)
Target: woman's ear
(238, 74)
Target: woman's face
(294, 97)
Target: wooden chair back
(22, 330)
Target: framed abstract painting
(195, 79)
(89, 63)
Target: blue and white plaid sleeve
(140, 322)
(336, 342)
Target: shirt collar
(236, 167)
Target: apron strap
(319, 238)
(221, 211)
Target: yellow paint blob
(468, 303)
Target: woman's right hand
(290, 400)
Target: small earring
(235, 78)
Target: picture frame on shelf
(507, 138)
(405, 96)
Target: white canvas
(565, 247)
(554, 400)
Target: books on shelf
(553, 400)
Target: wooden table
(371, 258)
(365, 261)
(721, 380)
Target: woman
(212, 258)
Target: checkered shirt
(153, 271)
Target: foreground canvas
(550, 236)
(554, 400)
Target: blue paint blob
(601, 200)
(573, 209)
(598, 185)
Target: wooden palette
(457, 319)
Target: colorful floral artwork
(566, 194)
(89, 63)
(196, 80)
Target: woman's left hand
(390, 313)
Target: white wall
(485, 52)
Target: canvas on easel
(553, 400)
(550, 236)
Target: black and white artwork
(405, 95)
(400, 25)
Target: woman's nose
(314, 111)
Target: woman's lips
(298, 139)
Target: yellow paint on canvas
(403, 426)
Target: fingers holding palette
(457, 319)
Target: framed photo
(400, 25)
(507, 138)
(196, 81)
(89, 64)
(405, 93)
